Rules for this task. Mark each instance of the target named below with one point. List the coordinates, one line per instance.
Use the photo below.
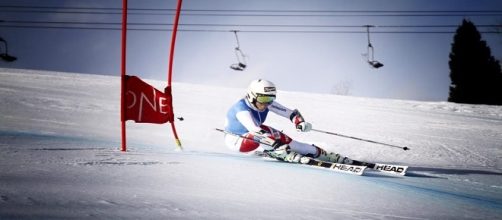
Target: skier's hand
(277, 144)
(304, 126)
(299, 121)
(271, 144)
(266, 141)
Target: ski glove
(299, 121)
(265, 140)
(304, 126)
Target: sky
(315, 59)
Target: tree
(476, 77)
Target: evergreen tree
(475, 74)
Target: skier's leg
(293, 150)
(276, 134)
(331, 157)
(303, 148)
(323, 155)
(246, 142)
(283, 152)
(314, 151)
(240, 144)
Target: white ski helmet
(262, 91)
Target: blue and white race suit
(244, 119)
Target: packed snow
(60, 157)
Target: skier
(245, 120)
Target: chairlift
(370, 56)
(5, 56)
(241, 58)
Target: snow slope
(59, 141)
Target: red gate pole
(123, 75)
(170, 73)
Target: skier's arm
(299, 121)
(279, 109)
(293, 115)
(259, 134)
(247, 121)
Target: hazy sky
(416, 63)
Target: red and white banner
(138, 100)
(145, 104)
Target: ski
(384, 168)
(311, 162)
(358, 167)
(338, 167)
(391, 168)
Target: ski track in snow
(103, 157)
(60, 157)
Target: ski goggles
(265, 99)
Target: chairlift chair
(241, 58)
(5, 56)
(370, 58)
(241, 65)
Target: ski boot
(337, 158)
(284, 153)
(331, 157)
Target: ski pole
(241, 136)
(360, 139)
